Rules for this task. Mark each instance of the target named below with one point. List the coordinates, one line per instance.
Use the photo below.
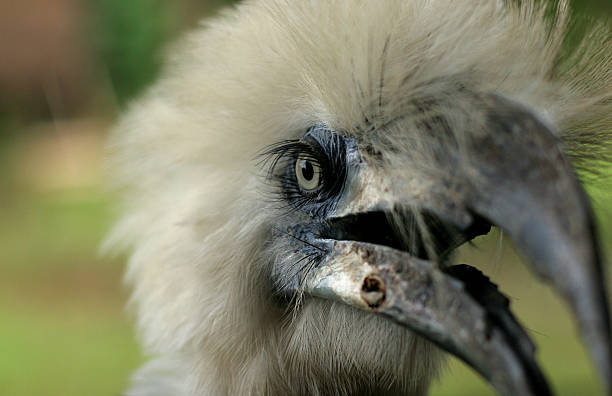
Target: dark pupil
(307, 170)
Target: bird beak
(515, 175)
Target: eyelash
(281, 157)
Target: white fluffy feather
(194, 220)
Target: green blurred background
(67, 68)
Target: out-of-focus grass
(46, 229)
(64, 331)
(63, 328)
(68, 345)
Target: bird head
(298, 179)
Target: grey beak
(514, 174)
(528, 188)
(475, 326)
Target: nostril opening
(373, 290)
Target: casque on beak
(511, 173)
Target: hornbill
(295, 184)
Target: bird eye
(307, 172)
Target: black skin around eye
(321, 147)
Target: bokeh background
(67, 69)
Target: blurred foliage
(131, 37)
(128, 36)
(593, 7)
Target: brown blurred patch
(92, 284)
(62, 154)
(47, 64)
